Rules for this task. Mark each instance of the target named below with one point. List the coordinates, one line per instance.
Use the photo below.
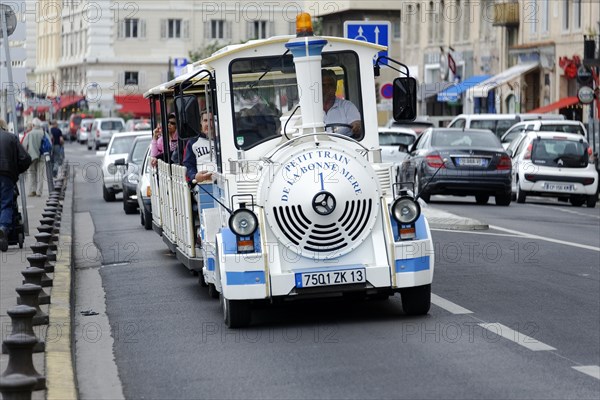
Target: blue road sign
(378, 32)
(179, 64)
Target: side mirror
(403, 148)
(120, 161)
(405, 99)
(188, 114)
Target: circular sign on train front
(321, 202)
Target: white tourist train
(295, 208)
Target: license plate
(472, 162)
(329, 278)
(557, 187)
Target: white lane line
(516, 336)
(448, 305)
(591, 370)
(531, 236)
(566, 210)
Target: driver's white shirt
(342, 112)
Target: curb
(439, 219)
(60, 374)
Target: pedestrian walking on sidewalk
(14, 160)
(37, 171)
(58, 151)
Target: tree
(206, 51)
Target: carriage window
(265, 93)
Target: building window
(217, 29)
(131, 27)
(396, 29)
(131, 78)
(171, 29)
(545, 16)
(533, 16)
(258, 30)
(174, 28)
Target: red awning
(562, 103)
(134, 104)
(66, 101)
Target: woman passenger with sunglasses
(156, 145)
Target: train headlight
(243, 222)
(406, 210)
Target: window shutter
(142, 79)
(163, 28)
(142, 29)
(185, 29)
(270, 29)
(207, 30)
(250, 30)
(121, 80)
(121, 29)
(227, 30)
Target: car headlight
(133, 179)
(112, 169)
(243, 222)
(406, 210)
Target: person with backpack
(58, 151)
(33, 144)
(14, 160)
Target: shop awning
(482, 89)
(452, 94)
(133, 104)
(562, 103)
(66, 101)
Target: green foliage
(206, 51)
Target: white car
(497, 123)
(102, 130)
(394, 144)
(554, 164)
(144, 192)
(83, 133)
(112, 175)
(544, 125)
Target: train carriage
(296, 207)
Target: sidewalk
(11, 264)
(56, 362)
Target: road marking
(448, 305)
(591, 370)
(516, 336)
(566, 210)
(531, 236)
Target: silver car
(102, 131)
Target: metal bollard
(50, 221)
(42, 248)
(17, 386)
(39, 261)
(33, 276)
(20, 358)
(29, 296)
(22, 322)
(45, 228)
(46, 238)
(50, 214)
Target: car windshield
(111, 125)
(563, 128)
(139, 151)
(464, 139)
(558, 152)
(395, 139)
(511, 135)
(499, 127)
(121, 145)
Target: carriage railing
(184, 217)
(155, 198)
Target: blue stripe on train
(245, 278)
(412, 264)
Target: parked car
(74, 123)
(497, 123)
(418, 125)
(119, 146)
(552, 125)
(469, 162)
(133, 164)
(554, 164)
(83, 133)
(139, 124)
(394, 144)
(102, 131)
(144, 191)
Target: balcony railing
(506, 14)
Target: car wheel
(89, 146)
(108, 195)
(212, 291)
(482, 198)
(97, 146)
(577, 200)
(416, 300)
(147, 220)
(425, 196)
(591, 201)
(236, 313)
(503, 199)
(128, 208)
(521, 194)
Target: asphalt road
(513, 317)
